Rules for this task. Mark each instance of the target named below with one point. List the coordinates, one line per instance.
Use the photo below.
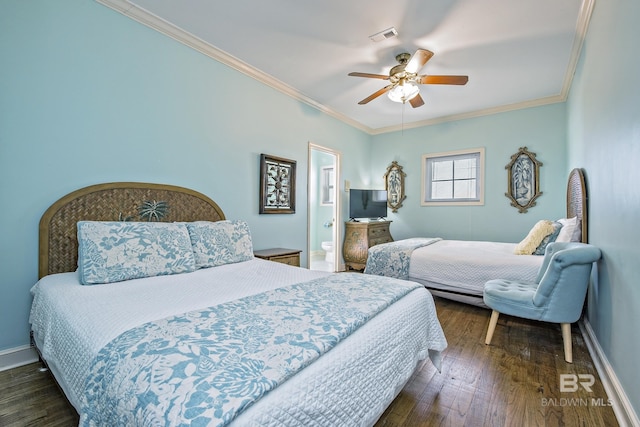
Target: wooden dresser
(281, 255)
(359, 237)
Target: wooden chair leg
(566, 339)
(492, 326)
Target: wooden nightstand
(282, 255)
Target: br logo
(570, 382)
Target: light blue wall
(90, 96)
(604, 138)
(541, 130)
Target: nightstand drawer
(281, 255)
(380, 240)
(378, 232)
(287, 259)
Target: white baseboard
(18, 356)
(317, 254)
(621, 405)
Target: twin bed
(167, 318)
(458, 270)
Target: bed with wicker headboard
(82, 330)
(458, 269)
(116, 201)
(577, 201)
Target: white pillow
(571, 230)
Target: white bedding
(350, 385)
(464, 266)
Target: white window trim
(423, 195)
(327, 190)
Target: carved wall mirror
(523, 173)
(394, 184)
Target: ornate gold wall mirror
(523, 173)
(394, 184)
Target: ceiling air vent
(384, 34)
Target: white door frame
(337, 203)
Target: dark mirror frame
(523, 174)
(394, 184)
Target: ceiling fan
(404, 79)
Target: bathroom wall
(319, 214)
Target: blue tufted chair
(556, 296)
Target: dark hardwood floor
(513, 382)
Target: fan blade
(371, 76)
(418, 60)
(442, 80)
(416, 101)
(376, 94)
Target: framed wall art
(394, 184)
(277, 185)
(523, 173)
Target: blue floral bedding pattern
(392, 259)
(207, 366)
(220, 243)
(114, 251)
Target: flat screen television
(367, 204)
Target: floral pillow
(540, 230)
(221, 242)
(116, 251)
(550, 238)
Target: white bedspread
(72, 323)
(465, 266)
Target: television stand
(378, 219)
(359, 237)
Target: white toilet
(327, 247)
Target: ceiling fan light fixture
(403, 92)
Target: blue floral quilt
(206, 366)
(392, 259)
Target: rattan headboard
(577, 200)
(117, 201)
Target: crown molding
(581, 33)
(150, 20)
(471, 114)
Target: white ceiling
(517, 53)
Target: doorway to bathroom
(323, 207)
